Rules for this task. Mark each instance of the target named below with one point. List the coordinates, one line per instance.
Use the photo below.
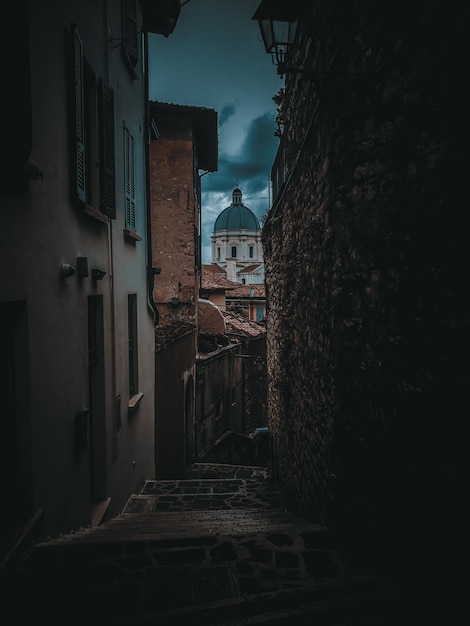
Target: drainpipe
(151, 271)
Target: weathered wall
(219, 398)
(230, 395)
(174, 371)
(174, 216)
(365, 273)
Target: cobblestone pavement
(220, 535)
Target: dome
(237, 216)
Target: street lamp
(277, 21)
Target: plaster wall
(42, 229)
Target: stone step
(148, 525)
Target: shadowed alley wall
(364, 255)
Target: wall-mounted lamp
(67, 270)
(277, 21)
(97, 274)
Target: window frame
(130, 213)
(93, 137)
(129, 39)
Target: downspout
(150, 268)
(112, 295)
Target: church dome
(237, 216)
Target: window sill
(135, 400)
(89, 210)
(131, 235)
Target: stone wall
(364, 254)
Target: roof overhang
(160, 16)
(205, 128)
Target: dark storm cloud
(227, 112)
(250, 166)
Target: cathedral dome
(237, 216)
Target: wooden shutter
(129, 156)
(107, 150)
(79, 110)
(129, 33)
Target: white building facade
(236, 242)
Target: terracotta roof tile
(241, 326)
(213, 279)
(248, 291)
(250, 268)
(166, 334)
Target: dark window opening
(132, 343)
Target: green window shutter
(129, 163)
(80, 164)
(129, 34)
(107, 149)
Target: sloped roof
(166, 334)
(241, 326)
(213, 279)
(205, 125)
(247, 291)
(250, 269)
(212, 268)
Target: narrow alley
(215, 548)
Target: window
(218, 254)
(129, 43)
(132, 343)
(93, 115)
(252, 250)
(129, 179)
(234, 251)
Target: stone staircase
(215, 548)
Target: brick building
(184, 143)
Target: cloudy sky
(215, 58)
